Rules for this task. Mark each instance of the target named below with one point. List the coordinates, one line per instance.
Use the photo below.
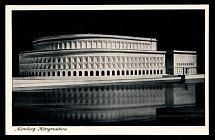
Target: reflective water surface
(121, 104)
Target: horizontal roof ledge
(79, 36)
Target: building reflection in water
(180, 94)
(86, 105)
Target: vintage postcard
(107, 69)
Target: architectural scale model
(104, 57)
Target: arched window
(74, 73)
(53, 73)
(108, 73)
(58, 73)
(118, 72)
(154, 71)
(97, 73)
(69, 73)
(80, 73)
(143, 73)
(157, 71)
(113, 72)
(86, 73)
(123, 72)
(147, 71)
(127, 72)
(91, 73)
(135, 72)
(59, 59)
(161, 71)
(64, 73)
(139, 72)
(48, 73)
(131, 72)
(103, 73)
(150, 71)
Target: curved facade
(90, 56)
(93, 41)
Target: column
(104, 45)
(94, 45)
(113, 45)
(67, 45)
(117, 45)
(132, 46)
(78, 46)
(135, 46)
(138, 46)
(58, 45)
(121, 45)
(89, 45)
(108, 45)
(83, 45)
(63, 46)
(51, 46)
(73, 45)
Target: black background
(174, 29)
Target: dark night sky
(174, 29)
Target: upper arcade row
(95, 41)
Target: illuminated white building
(93, 57)
(181, 62)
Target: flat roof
(80, 36)
(181, 51)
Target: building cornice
(85, 36)
(181, 52)
(69, 51)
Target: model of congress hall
(105, 57)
